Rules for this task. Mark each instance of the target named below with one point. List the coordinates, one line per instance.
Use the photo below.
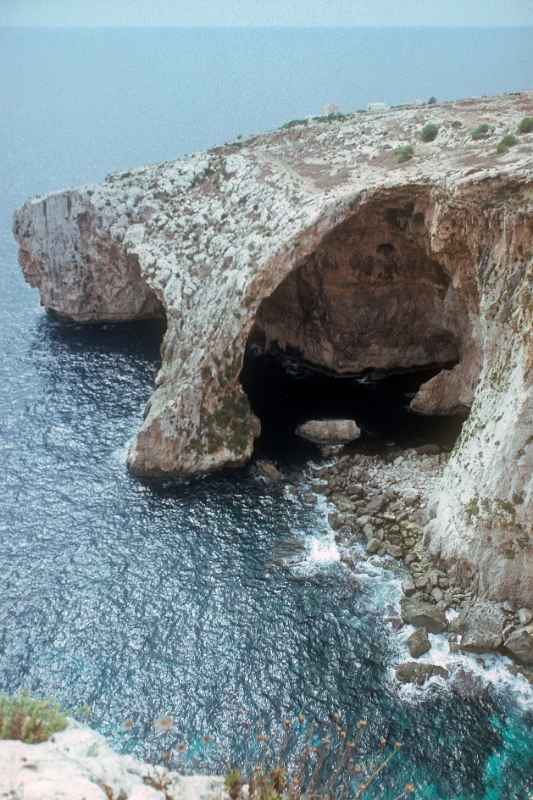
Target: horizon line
(218, 26)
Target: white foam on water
(120, 454)
(383, 577)
(323, 551)
(490, 670)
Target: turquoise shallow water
(222, 602)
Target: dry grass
(329, 765)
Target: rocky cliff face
(315, 239)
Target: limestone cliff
(317, 239)
(79, 764)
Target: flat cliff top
(361, 149)
(237, 204)
(330, 156)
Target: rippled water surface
(221, 603)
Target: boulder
(375, 504)
(269, 470)
(419, 613)
(393, 550)
(483, 626)
(468, 685)
(414, 672)
(520, 645)
(524, 616)
(418, 643)
(373, 547)
(329, 431)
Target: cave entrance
(354, 330)
(284, 392)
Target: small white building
(377, 107)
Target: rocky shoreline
(384, 502)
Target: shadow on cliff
(141, 338)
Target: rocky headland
(331, 240)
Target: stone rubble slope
(78, 764)
(383, 501)
(205, 240)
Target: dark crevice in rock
(284, 391)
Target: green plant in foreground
(481, 132)
(29, 719)
(526, 125)
(429, 132)
(404, 153)
(509, 140)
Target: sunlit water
(222, 603)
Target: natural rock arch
(226, 241)
(371, 298)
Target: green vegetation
(432, 100)
(526, 125)
(293, 123)
(429, 132)
(29, 720)
(472, 508)
(481, 132)
(233, 784)
(508, 141)
(336, 116)
(404, 153)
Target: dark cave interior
(284, 391)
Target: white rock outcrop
(78, 764)
(315, 238)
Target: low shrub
(29, 720)
(336, 116)
(429, 132)
(404, 153)
(481, 132)
(293, 123)
(508, 141)
(526, 125)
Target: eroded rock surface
(483, 627)
(520, 644)
(78, 764)
(418, 673)
(314, 239)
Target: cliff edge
(328, 239)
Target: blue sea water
(142, 601)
